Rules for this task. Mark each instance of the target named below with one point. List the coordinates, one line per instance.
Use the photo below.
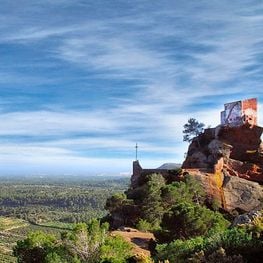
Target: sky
(81, 81)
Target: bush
(236, 243)
(217, 256)
(179, 250)
(189, 191)
(35, 247)
(115, 250)
(186, 220)
(145, 226)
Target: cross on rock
(136, 152)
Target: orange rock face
(221, 158)
(238, 150)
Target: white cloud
(38, 160)
(179, 55)
(54, 123)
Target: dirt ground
(138, 239)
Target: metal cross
(136, 151)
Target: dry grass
(8, 223)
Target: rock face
(228, 160)
(238, 150)
(241, 194)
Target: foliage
(186, 220)
(11, 223)
(115, 250)
(179, 250)
(192, 129)
(4, 258)
(34, 248)
(144, 226)
(256, 226)
(124, 208)
(177, 192)
(48, 203)
(114, 202)
(235, 242)
(218, 256)
(148, 203)
(85, 243)
(142, 258)
(152, 205)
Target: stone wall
(139, 174)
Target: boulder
(197, 160)
(241, 194)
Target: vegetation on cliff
(186, 226)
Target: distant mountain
(170, 166)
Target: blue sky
(82, 81)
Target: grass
(58, 225)
(8, 223)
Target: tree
(187, 220)
(189, 191)
(152, 206)
(192, 129)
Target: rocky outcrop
(238, 150)
(228, 161)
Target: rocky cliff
(229, 163)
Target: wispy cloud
(119, 73)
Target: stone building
(240, 112)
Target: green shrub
(235, 242)
(187, 220)
(178, 192)
(115, 250)
(145, 226)
(179, 250)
